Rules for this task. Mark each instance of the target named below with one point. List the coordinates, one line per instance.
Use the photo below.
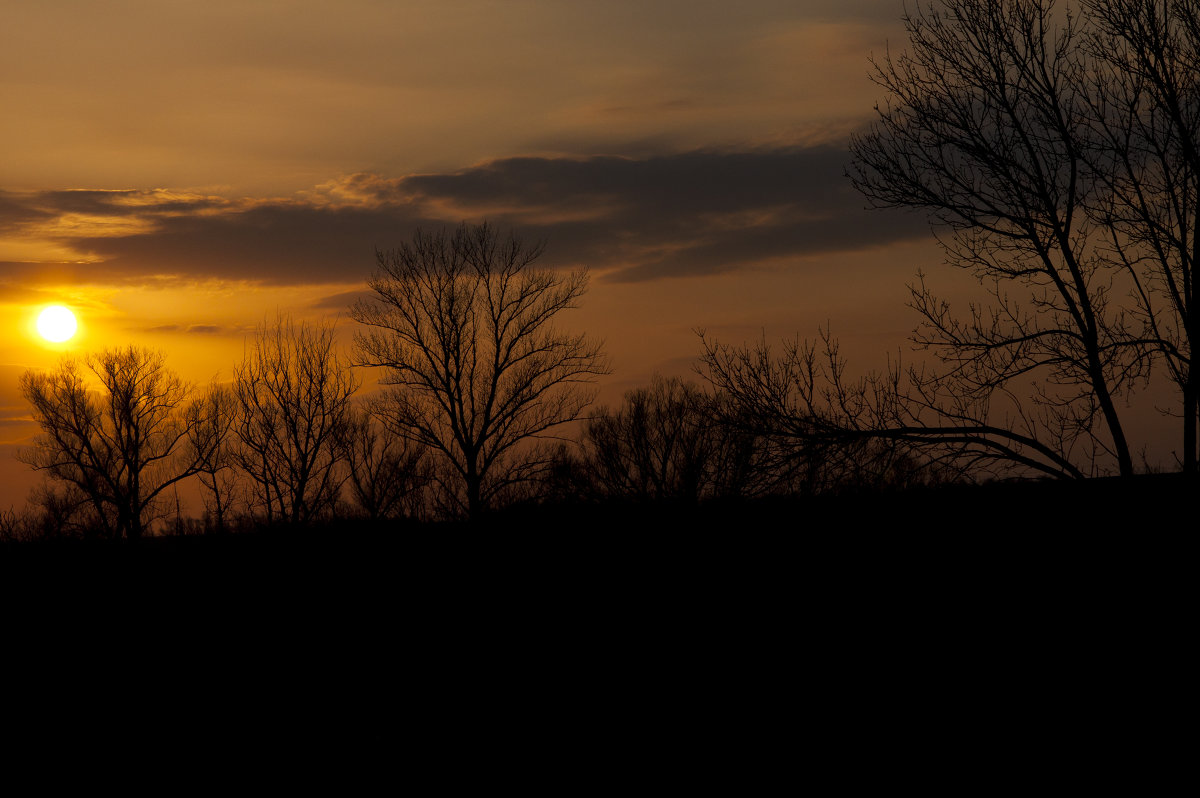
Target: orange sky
(176, 172)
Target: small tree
(211, 420)
(14, 527)
(667, 441)
(293, 392)
(120, 447)
(462, 324)
(387, 474)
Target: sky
(176, 172)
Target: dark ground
(990, 526)
(957, 636)
(996, 542)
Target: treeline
(290, 443)
(479, 390)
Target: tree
(387, 474)
(1145, 153)
(210, 423)
(462, 325)
(986, 130)
(822, 430)
(667, 441)
(293, 392)
(15, 526)
(120, 447)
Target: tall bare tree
(293, 391)
(120, 446)
(1145, 151)
(985, 128)
(462, 324)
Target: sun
(56, 324)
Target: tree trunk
(1190, 409)
(1191, 386)
(474, 491)
(131, 523)
(1124, 458)
(1109, 409)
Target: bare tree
(387, 473)
(824, 430)
(985, 129)
(120, 447)
(14, 526)
(52, 512)
(462, 324)
(210, 423)
(667, 441)
(1145, 152)
(293, 392)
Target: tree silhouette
(462, 324)
(387, 473)
(120, 447)
(211, 421)
(985, 129)
(293, 393)
(1145, 153)
(667, 441)
(823, 430)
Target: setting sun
(56, 324)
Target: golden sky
(178, 171)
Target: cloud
(342, 301)
(629, 219)
(16, 214)
(191, 329)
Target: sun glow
(56, 324)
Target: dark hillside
(971, 620)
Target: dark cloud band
(692, 213)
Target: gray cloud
(630, 219)
(15, 213)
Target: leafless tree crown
(119, 447)
(463, 325)
(292, 390)
(668, 441)
(1043, 145)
